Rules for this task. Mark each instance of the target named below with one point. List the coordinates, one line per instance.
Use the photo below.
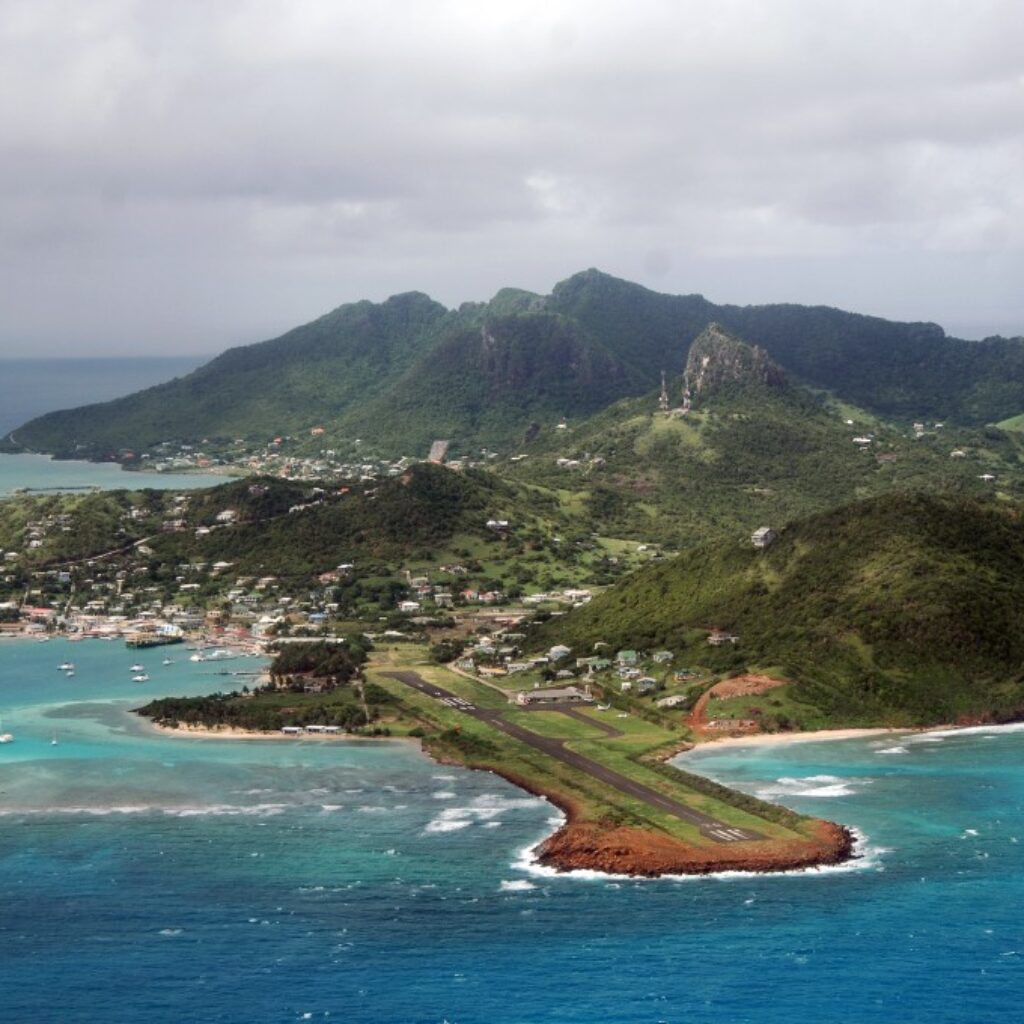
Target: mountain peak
(718, 358)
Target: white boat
(70, 672)
(141, 678)
(5, 737)
(53, 741)
(197, 657)
(168, 661)
(66, 666)
(137, 668)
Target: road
(719, 831)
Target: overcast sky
(182, 176)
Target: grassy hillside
(406, 370)
(753, 449)
(904, 609)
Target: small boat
(53, 740)
(70, 672)
(197, 657)
(168, 661)
(141, 678)
(66, 666)
(5, 737)
(137, 668)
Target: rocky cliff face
(718, 358)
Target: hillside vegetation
(904, 609)
(753, 447)
(407, 370)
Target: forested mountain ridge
(407, 370)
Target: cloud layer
(178, 177)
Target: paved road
(711, 827)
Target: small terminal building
(553, 695)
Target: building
(762, 537)
(554, 695)
(719, 637)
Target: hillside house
(627, 657)
(720, 637)
(762, 537)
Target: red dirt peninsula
(631, 851)
(619, 850)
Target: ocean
(31, 387)
(165, 878)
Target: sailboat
(5, 737)
(53, 741)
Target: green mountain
(903, 609)
(406, 370)
(741, 445)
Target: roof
(553, 693)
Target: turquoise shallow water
(40, 472)
(156, 878)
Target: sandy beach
(822, 735)
(201, 732)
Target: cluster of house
(34, 535)
(499, 656)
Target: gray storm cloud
(178, 177)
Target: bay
(41, 473)
(31, 387)
(168, 878)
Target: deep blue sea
(162, 879)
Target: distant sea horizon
(30, 387)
